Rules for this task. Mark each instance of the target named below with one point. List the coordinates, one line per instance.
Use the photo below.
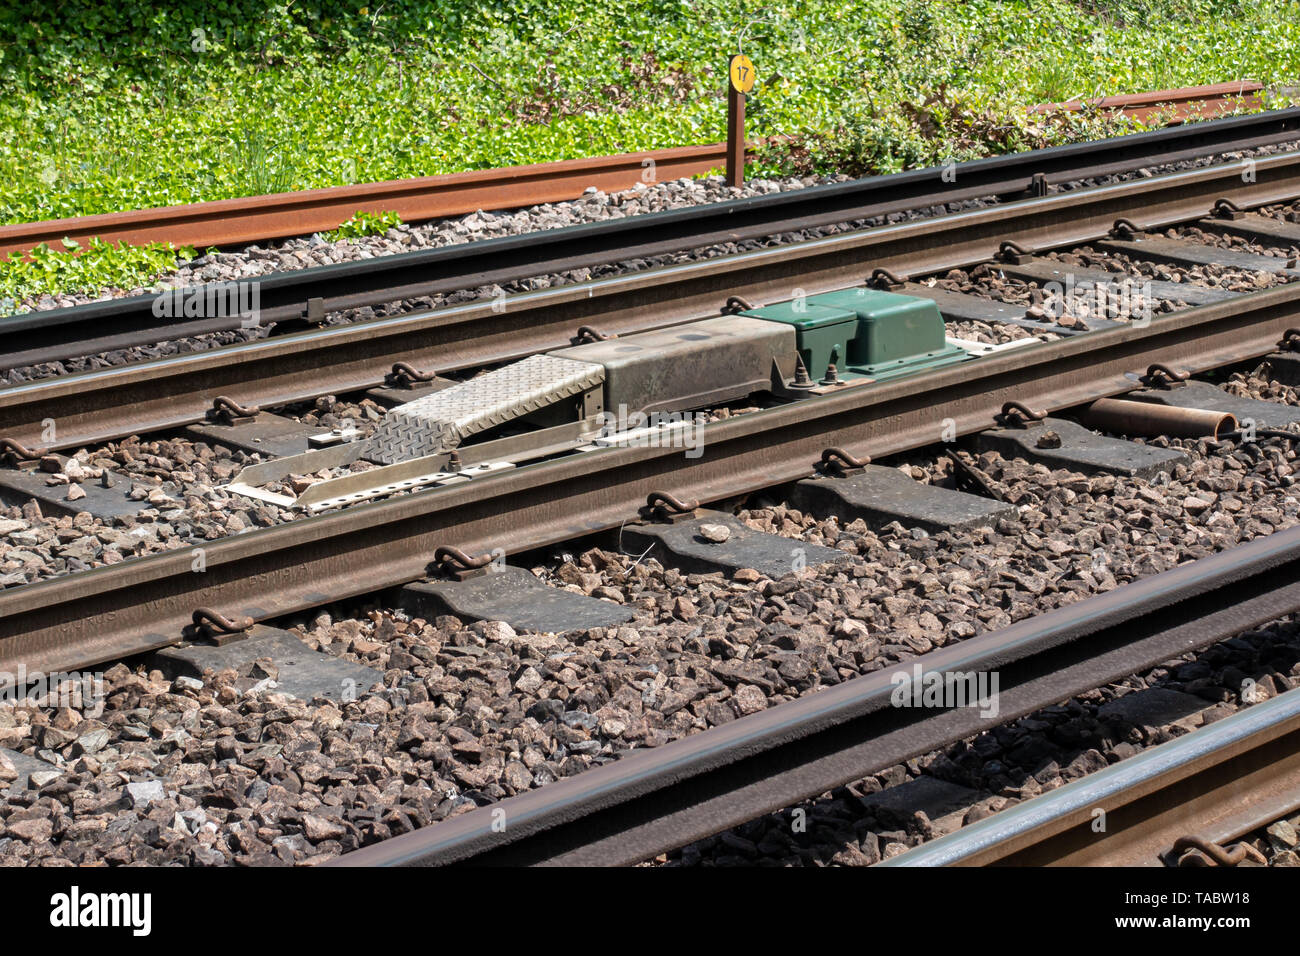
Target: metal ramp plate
(513, 595)
(882, 495)
(443, 419)
(1081, 450)
(681, 545)
(1205, 395)
(303, 673)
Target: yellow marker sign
(742, 73)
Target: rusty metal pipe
(1151, 420)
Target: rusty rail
(232, 222)
(1173, 106)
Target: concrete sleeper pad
(26, 766)
(882, 495)
(390, 396)
(964, 307)
(1081, 450)
(961, 307)
(932, 796)
(515, 596)
(1263, 229)
(20, 487)
(1205, 395)
(1283, 367)
(1078, 282)
(681, 545)
(266, 434)
(1184, 252)
(1154, 707)
(302, 673)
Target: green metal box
(823, 334)
(865, 332)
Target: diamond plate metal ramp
(681, 545)
(1207, 396)
(515, 596)
(1080, 449)
(445, 418)
(302, 673)
(882, 495)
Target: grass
(111, 107)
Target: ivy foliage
(130, 104)
(134, 104)
(70, 268)
(365, 224)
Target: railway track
(91, 618)
(542, 491)
(260, 218)
(309, 295)
(110, 403)
(1184, 803)
(650, 802)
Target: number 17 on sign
(741, 74)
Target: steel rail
(654, 800)
(112, 612)
(246, 219)
(111, 403)
(1188, 102)
(1220, 782)
(119, 323)
(226, 222)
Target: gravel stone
(146, 792)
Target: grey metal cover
(444, 419)
(691, 365)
